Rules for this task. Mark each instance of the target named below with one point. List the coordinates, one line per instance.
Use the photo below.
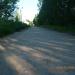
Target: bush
(8, 27)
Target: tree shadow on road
(5, 67)
(35, 57)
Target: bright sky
(28, 9)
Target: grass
(8, 27)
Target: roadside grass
(8, 27)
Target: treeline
(10, 26)
(8, 22)
(57, 14)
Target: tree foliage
(58, 12)
(39, 4)
(6, 8)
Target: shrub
(9, 26)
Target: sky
(28, 9)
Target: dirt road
(37, 51)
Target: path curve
(37, 51)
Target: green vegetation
(8, 23)
(6, 8)
(8, 27)
(56, 14)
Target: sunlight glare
(27, 9)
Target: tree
(6, 8)
(39, 4)
(48, 11)
(57, 12)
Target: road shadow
(5, 67)
(27, 55)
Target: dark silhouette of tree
(57, 12)
(6, 8)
